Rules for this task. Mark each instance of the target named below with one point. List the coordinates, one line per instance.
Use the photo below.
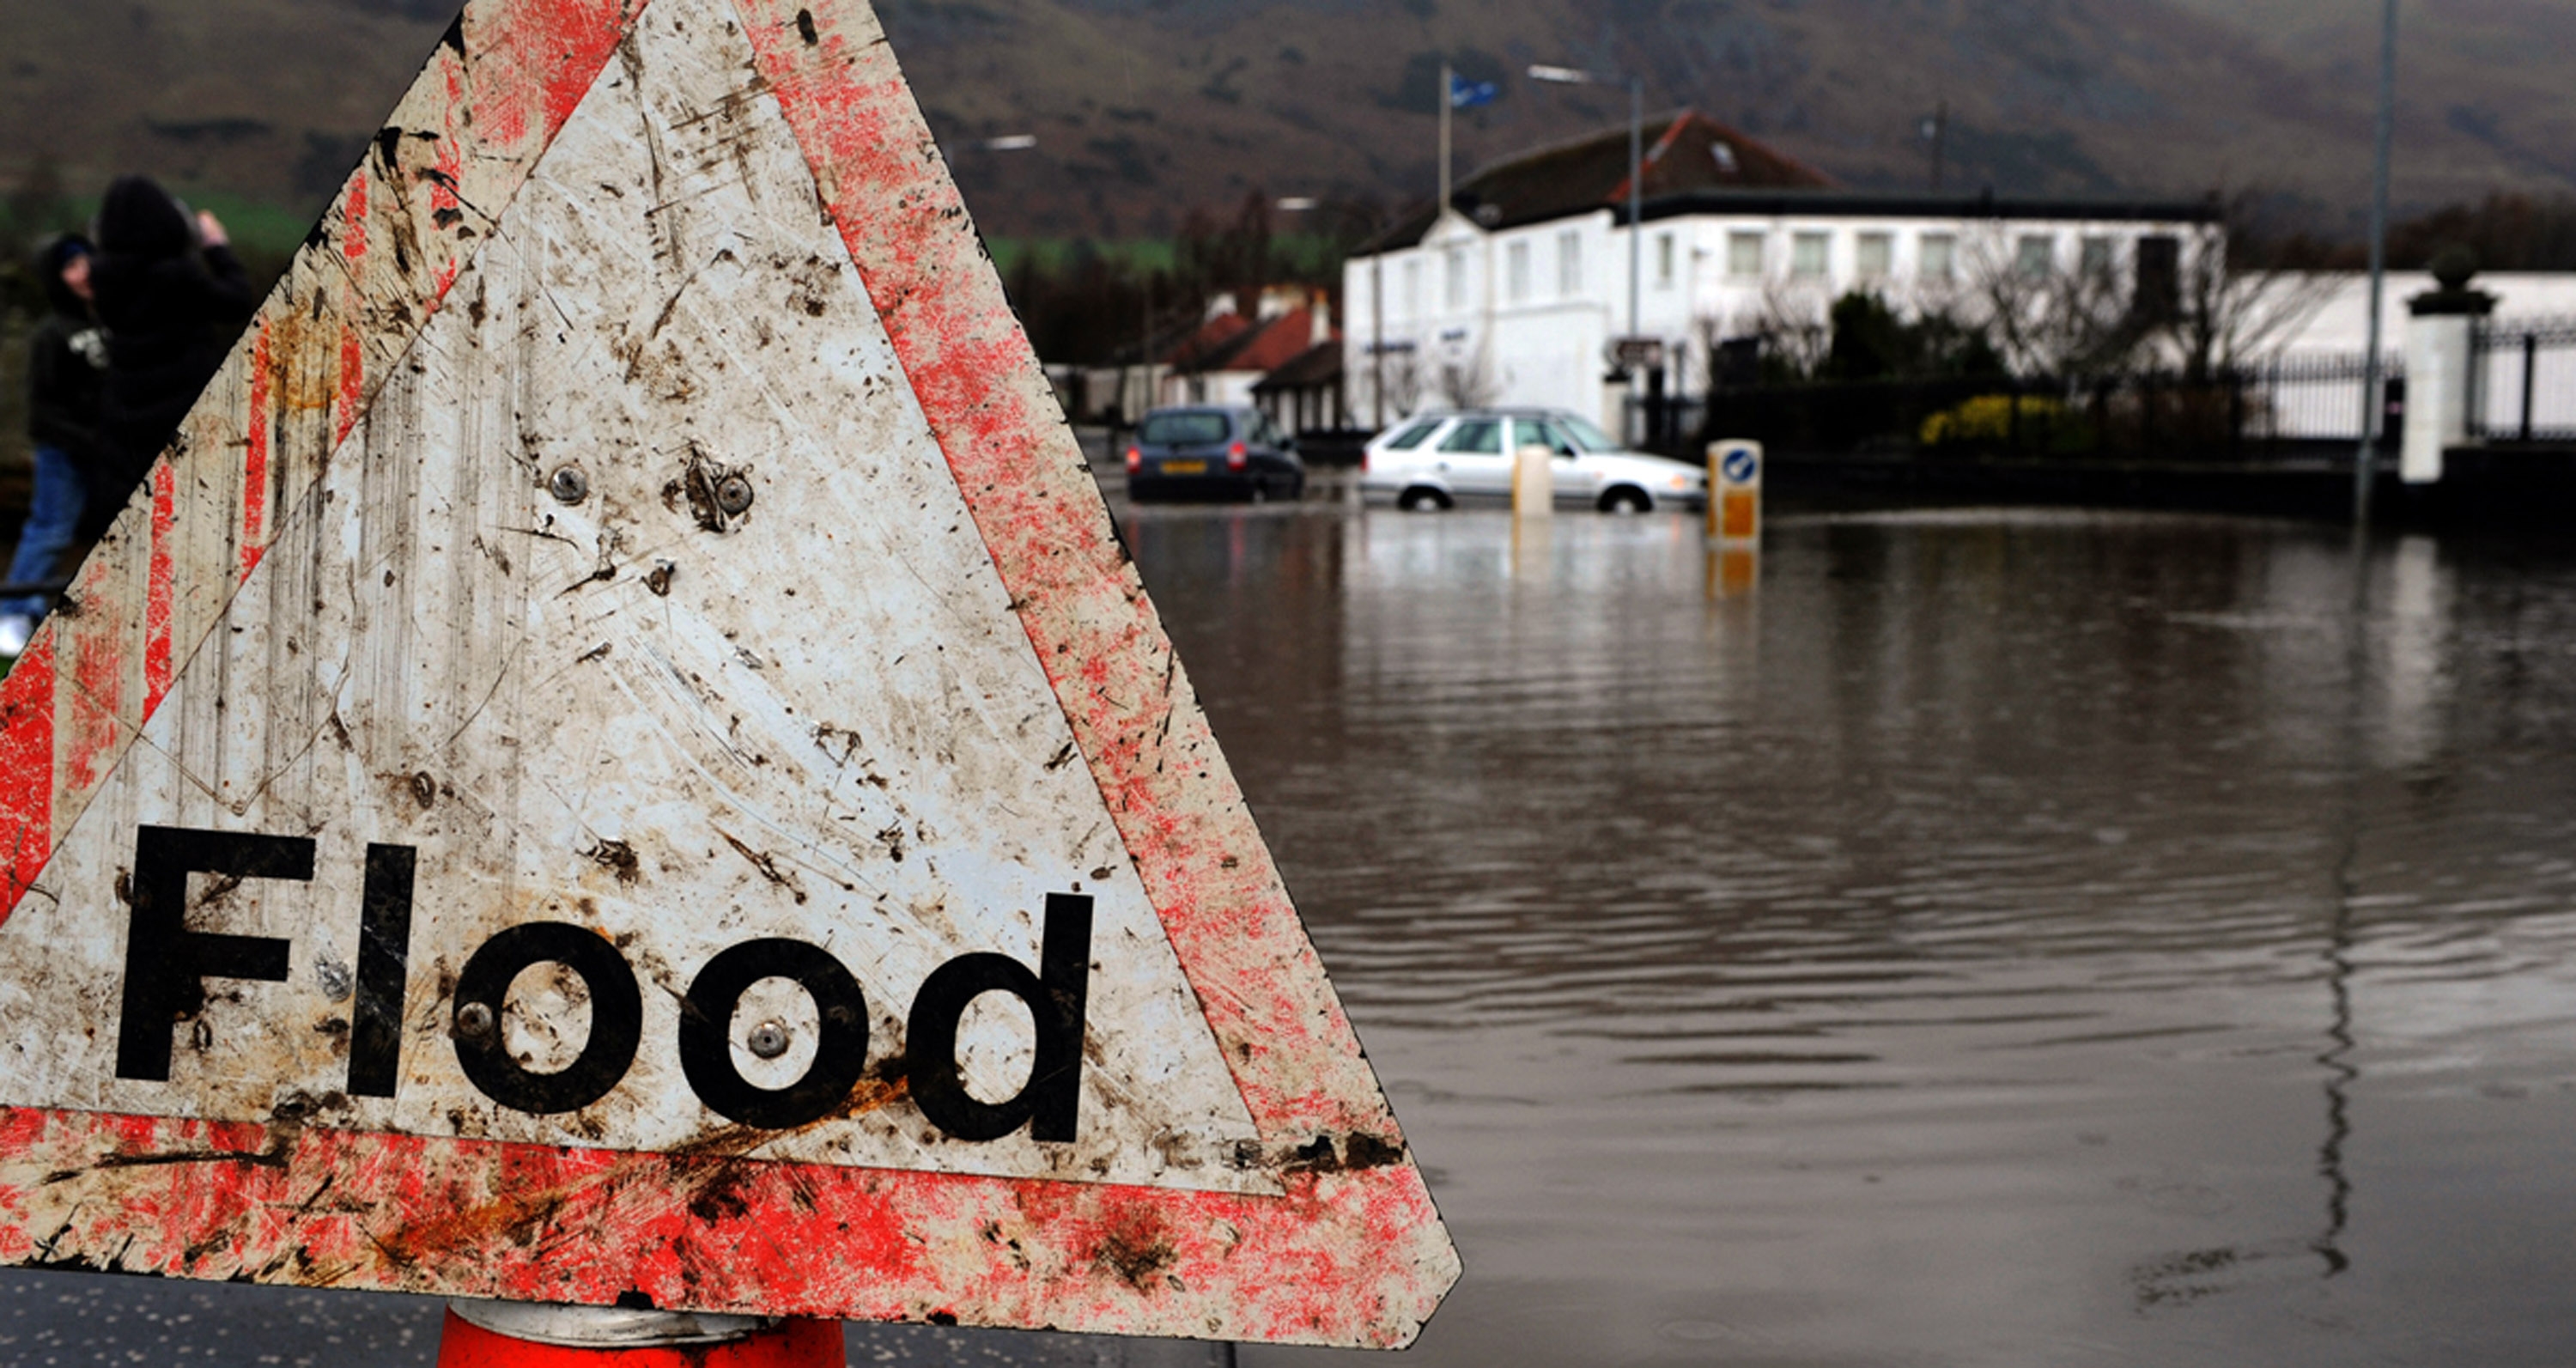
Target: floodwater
(2022, 938)
(1992, 938)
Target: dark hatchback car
(1213, 453)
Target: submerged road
(1991, 937)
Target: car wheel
(1260, 492)
(1420, 499)
(1625, 500)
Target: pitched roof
(1247, 347)
(1317, 365)
(1212, 341)
(1686, 152)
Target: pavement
(75, 1320)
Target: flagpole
(1448, 101)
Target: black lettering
(384, 961)
(1049, 1102)
(616, 1017)
(706, 1034)
(166, 964)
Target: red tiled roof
(1211, 340)
(1249, 347)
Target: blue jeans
(53, 519)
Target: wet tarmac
(1989, 938)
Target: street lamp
(1299, 204)
(1016, 142)
(1557, 75)
(2373, 408)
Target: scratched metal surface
(910, 691)
(608, 711)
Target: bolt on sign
(619, 758)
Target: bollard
(1533, 483)
(508, 1335)
(1735, 492)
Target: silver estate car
(1438, 461)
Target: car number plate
(1185, 467)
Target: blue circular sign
(1741, 466)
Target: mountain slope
(1146, 109)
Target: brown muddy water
(1999, 938)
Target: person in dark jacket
(174, 299)
(66, 367)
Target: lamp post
(1298, 204)
(2373, 410)
(1557, 75)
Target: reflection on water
(2033, 938)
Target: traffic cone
(782, 1344)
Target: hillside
(1145, 109)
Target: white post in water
(1534, 483)
(2441, 368)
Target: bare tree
(2048, 317)
(1468, 384)
(2245, 290)
(1795, 321)
(1399, 370)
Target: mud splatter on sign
(619, 753)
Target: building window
(1875, 258)
(2159, 298)
(1810, 256)
(1666, 252)
(1516, 270)
(1413, 287)
(2035, 255)
(1940, 259)
(1569, 263)
(2095, 258)
(1744, 255)
(1456, 261)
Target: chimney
(1322, 313)
(1220, 304)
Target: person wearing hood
(174, 299)
(66, 368)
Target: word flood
(167, 964)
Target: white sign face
(630, 742)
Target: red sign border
(1351, 1253)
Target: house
(1229, 355)
(1518, 290)
(1306, 395)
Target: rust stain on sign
(638, 765)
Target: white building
(1517, 290)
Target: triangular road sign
(620, 756)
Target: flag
(1466, 94)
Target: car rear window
(1184, 429)
(1415, 435)
(1476, 437)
